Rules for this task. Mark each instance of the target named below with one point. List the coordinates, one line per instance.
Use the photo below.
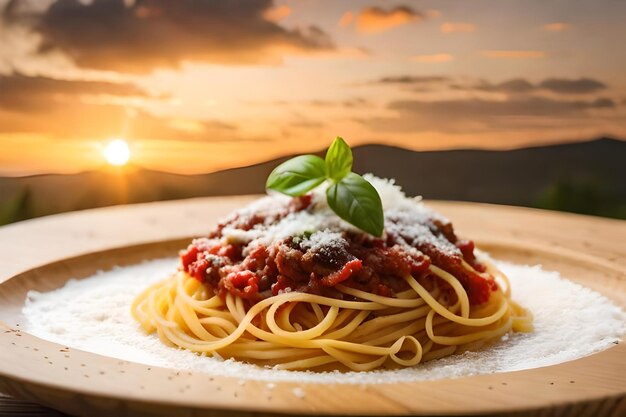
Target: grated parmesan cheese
(324, 239)
(298, 392)
(407, 217)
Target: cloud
(140, 36)
(512, 86)
(464, 105)
(62, 109)
(569, 86)
(417, 83)
(603, 103)
(434, 58)
(517, 54)
(278, 13)
(346, 19)
(306, 124)
(515, 85)
(472, 114)
(96, 121)
(144, 125)
(199, 126)
(521, 85)
(375, 19)
(25, 93)
(563, 86)
(450, 27)
(413, 79)
(556, 26)
(354, 102)
(351, 103)
(532, 106)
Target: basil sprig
(349, 195)
(338, 159)
(298, 175)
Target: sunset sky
(197, 86)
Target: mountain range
(585, 177)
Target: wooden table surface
(98, 229)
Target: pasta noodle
(297, 330)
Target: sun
(117, 152)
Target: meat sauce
(354, 259)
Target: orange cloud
(41, 105)
(516, 54)
(278, 13)
(346, 19)
(556, 26)
(481, 115)
(434, 58)
(449, 27)
(375, 20)
(34, 94)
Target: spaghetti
(283, 283)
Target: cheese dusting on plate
(93, 314)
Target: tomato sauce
(355, 259)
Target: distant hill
(587, 177)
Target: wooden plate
(42, 254)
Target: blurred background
(108, 102)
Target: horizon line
(131, 166)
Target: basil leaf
(298, 175)
(338, 159)
(356, 201)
